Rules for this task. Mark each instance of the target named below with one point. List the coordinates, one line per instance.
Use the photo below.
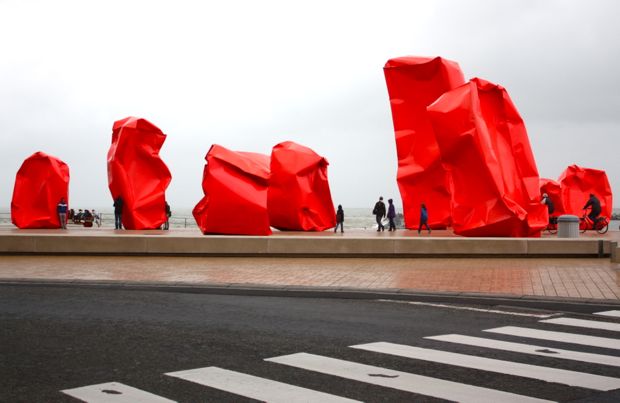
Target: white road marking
(615, 314)
(592, 324)
(404, 381)
(573, 338)
(467, 308)
(255, 387)
(529, 349)
(114, 392)
(571, 378)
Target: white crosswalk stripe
(404, 381)
(615, 314)
(529, 349)
(592, 324)
(255, 387)
(571, 378)
(572, 338)
(113, 392)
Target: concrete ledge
(141, 244)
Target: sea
(355, 218)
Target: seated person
(88, 219)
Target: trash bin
(568, 226)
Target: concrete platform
(179, 242)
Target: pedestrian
(391, 214)
(118, 212)
(424, 219)
(168, 215)
(61, 209)
(379, 212)
(339, 219)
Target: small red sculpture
(235, 187)
(137, 174)
(484, 144)
(413, 84)
(299, 198)
(577, 183)
(40, 183)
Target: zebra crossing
(272, 390)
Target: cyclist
(595, 205)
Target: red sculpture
(413, 84)
(552, 189)
(299, 198)
(235, 186)
(577, 183)
(137, 174)
(484, 144)
(40, 183)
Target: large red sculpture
(137, 174)
(299, 197)
(40, 183)
(577, 183)
(483, 142)
(552, 189)
(235, 186)
(413, 84)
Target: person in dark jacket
(379, 212)
(118, 212)
(339, 219)
(595, 208)
(391, 214)
(424, 219)
(546, 200)
(168, 215)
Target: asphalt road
(53, 339)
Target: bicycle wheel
(552, 229)
(602, 229)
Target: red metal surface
(577, 183)
(235, 186)
(137, 173)
(40, 183)
(299, 198)
(484, 144)
(414, 83)
(552, 189)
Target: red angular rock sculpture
(577, 183)
(414, 83)
(299, 198)
(235, 186)
(40, 183)
(137, 174)
(552, 189)
(484, 144)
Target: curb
(527, 301)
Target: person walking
(379, 212)
(339, 219)
(424, 219)
(391, 214)
(168, 215)
(118, 212)
(61, 209)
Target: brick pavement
(569, 278)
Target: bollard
(568, 226)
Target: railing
(107, 220)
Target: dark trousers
(380, 226)
(392, 226)
(424, 223)
(341, 224)
(117, 221)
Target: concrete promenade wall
(158, 243)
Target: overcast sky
(250, 74)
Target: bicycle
(601, 225)
(552, 227)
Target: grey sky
(250, 74)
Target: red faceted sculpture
(299, 198)
(577, 183)
(413, 84)
(484, 144)
(552, 189)
(41, 182)
(137, 174)
(235, 186)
